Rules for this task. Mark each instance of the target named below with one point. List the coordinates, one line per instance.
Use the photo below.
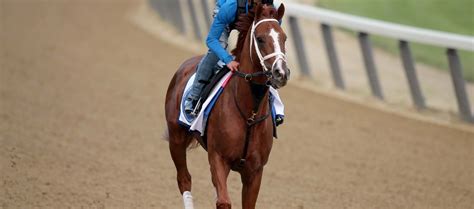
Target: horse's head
(268, 41)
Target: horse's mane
(243, 25)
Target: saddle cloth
(200, 122)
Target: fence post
(156, 5)
(459, 85)
(411, 75)
(159, 6)
(298, 42)
(194, 20)
(179, 21)
(166, 11)
(207, 14)
(332, 56)
(170, 11)
(366, 48)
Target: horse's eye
(260, 40)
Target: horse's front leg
(220, 171)
(251, 181)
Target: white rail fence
(171, 11)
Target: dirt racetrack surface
(82, 115)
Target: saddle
(219, 72)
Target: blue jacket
(225, 17)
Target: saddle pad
(199, 123)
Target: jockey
(225, 14)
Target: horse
(239, 133)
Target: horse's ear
(258, 11)
(280, 12)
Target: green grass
(456, 16)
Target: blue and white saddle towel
(199, 123)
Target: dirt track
(81, 119)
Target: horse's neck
(246, 99)
(242, 90)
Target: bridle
(253, 42)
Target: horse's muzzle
(280, 76)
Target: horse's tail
(193, 143)
(166, 135)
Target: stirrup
(197, 108)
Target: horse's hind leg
(178, 142)
(250, 187)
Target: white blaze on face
(276, 44)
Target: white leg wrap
(188, 200)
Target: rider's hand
(233, 65)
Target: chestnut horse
(239, 132)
